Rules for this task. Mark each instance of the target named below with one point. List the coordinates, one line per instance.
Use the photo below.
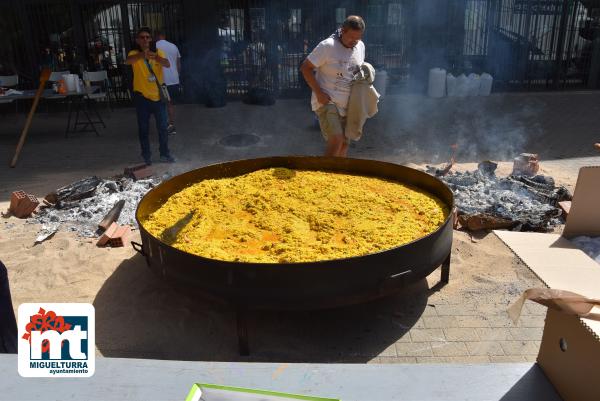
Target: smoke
(423, 130)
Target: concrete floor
(408, 129)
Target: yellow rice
(279, 215)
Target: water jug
(437, 82)
(486, 84)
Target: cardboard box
(570, 350)
(570, 356)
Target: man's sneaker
(171, 129)
(167, 159)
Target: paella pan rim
(306, 264)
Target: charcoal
(487, 167)
(76, 191)
(525, 203)
(82, 215)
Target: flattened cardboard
(574, 372)
(584, 216)
(570, 357)
(556, 261)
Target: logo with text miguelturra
(56, 340)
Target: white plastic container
(380, 82)
(437, 82)
(486, 84)
(462, 85)
(451, 85)
(473, 85)
(71, 82)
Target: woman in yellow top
(147, 69)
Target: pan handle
(393, 281)
(138, 247)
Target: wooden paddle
(45, 75)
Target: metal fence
(528, 44)
(524, 44)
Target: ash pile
(82, 205)
(522, 201)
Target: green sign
(214, 392)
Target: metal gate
(524, 44)
(110, 28)
(265, 41)
(529, 44)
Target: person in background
(335, 60)
(146, 65)
(171, 75)
(8, 322)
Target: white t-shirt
(171, 75)
(336, 66)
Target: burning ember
(517, 202)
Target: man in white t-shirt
(171, 75)
(335, 60)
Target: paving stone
(485, 348)
(472, 321)
(500, 321)
(493, 334)
(408, 322)
(506, 358)
(430, 311)
(439, 322)
(403, 359)
(423, 335)
(468, 359)
(527, 334)
(405, 338)
(388, 351)
(456, 310)
(449, 349)
(519, 347)
(490, 309)
(533, 308)
(461, 334)
(413, 349)
(532, 320)
(432, 359)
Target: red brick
(139, 172)
(22, 204)
(526, 164)
(565, 206)
(107, 235)
(120, 236)
(115, 236)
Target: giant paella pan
(288, 282)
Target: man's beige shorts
(330, 121)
